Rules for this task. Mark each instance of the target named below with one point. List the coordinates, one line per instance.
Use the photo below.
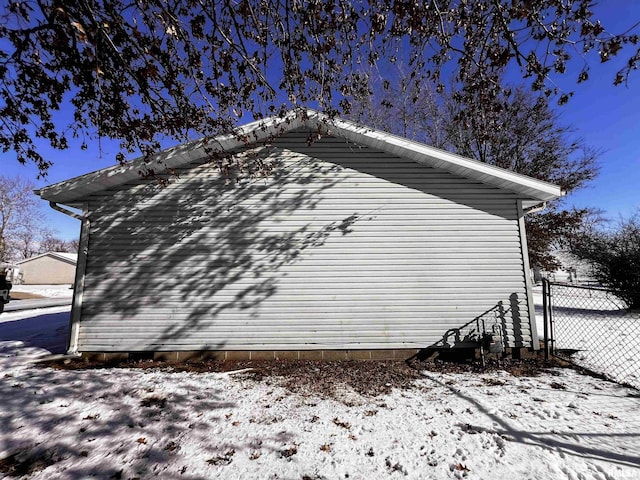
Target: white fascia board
(74, 189)
(434, 157)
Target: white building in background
(51, 268)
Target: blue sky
(606, 117)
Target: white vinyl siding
(341, 247)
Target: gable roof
(531, 190)
(71, 258)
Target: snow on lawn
(594, 323)
(127, 423)
(50, 291)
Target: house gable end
(337, 249)
(73, 191)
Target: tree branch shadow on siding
(185, 253)
(201, 243)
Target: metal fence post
(552, 340)
(545, 285)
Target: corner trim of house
(533, 326)
(78, 286)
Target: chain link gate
(593, 328)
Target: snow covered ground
(605, 336)
(30, 334)
(51, 291)
(131, 423)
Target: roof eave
(73, 191)
(79, 188)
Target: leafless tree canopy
(23, 231)
(137, 70)
(517, 130)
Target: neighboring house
(359, 244)
(51, 268)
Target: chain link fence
(593, 328)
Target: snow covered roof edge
(78, 188)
